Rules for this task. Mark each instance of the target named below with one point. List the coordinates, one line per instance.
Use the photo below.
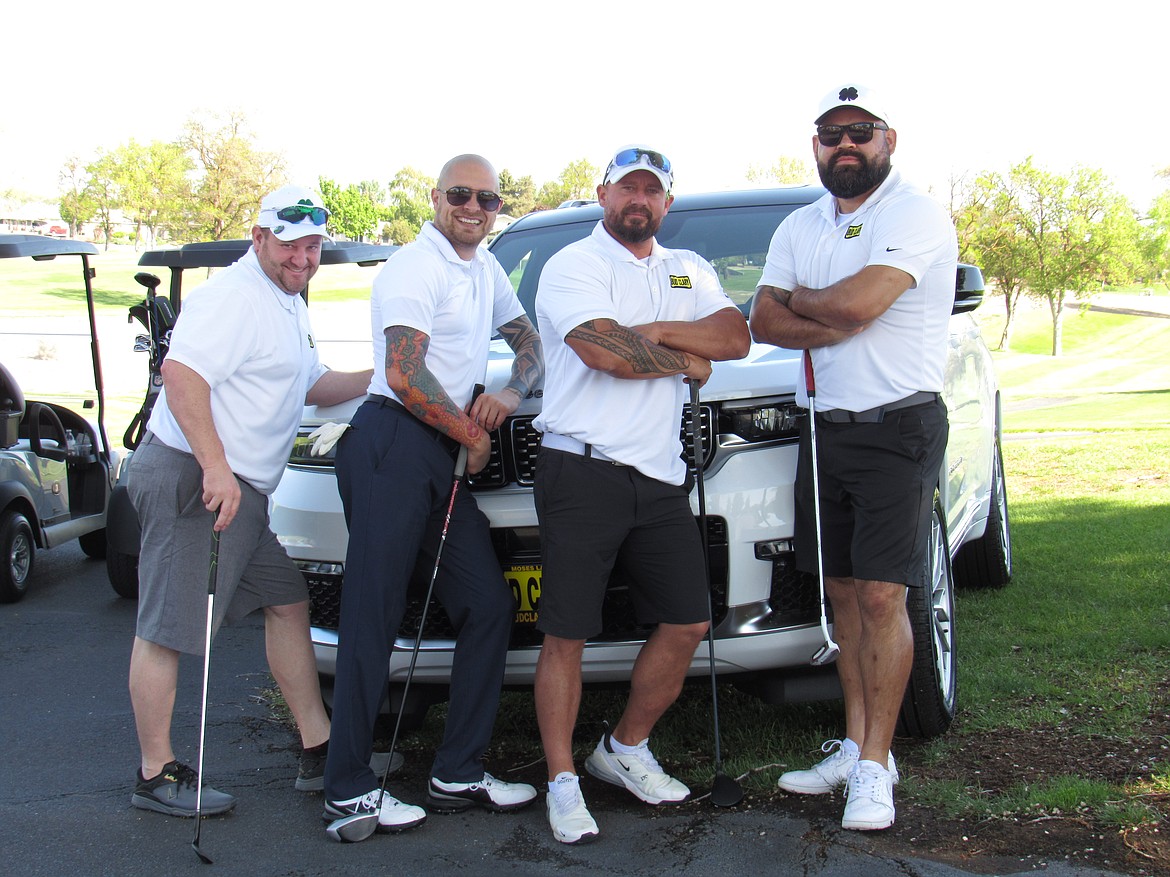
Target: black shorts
(596, 515)
(877, 483)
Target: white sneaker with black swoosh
(638, 771)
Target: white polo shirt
(635, 422)
(457, 303)
(251, 341)
(904, 350)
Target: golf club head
(725, 792)
(202, 856)
(353, 829)
(826, 654)
(150, 281)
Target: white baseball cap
(294, 212)
(853, 94)
(639, 158)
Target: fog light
(772, 549)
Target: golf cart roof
(14, 246)
(220, 254)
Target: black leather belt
(450, 445)
(875, 415)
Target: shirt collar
(618, 251)
(828, 203)
(250, 261)
(435, 238)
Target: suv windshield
(734, 240)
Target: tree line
(1033, 231)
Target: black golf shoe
(311, 769)
(174, 792)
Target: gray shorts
(594, 516)
(166, 487)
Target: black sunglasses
(300, 212)
(859, 132)
(457, 196)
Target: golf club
(827, 653)
(212, 573)
(725, 792)
(359, 826)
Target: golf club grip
(809, 383)
(213, 566)
(461, 458)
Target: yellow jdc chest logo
(680, 282)
(852, 232)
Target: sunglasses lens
(489, 201)
(298, 212)
(830, 135)
(627, 157)
(861, 133)
(457, 196)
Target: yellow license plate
(524, 580)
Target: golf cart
(157, 313)
(56, 466)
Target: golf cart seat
(11, 408)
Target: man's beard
(853, 180)
(632, 234)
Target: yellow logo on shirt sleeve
(311, 344)
(680, 281)
(852, 232)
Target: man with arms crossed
(241, 366)
(625, 324)
(434, 306)
(864, 281)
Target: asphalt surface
(69, 755)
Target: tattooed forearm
(528, 365)
(643, 357)
(420, 391)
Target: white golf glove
(326, 436)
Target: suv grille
(618, 618)
(514, 448)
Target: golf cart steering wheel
(37, 414)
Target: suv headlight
(763, 420)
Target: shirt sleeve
(408, 290)
(709, 295)
(209, 345)
(780, 265)
(506, 306)
(575, 287)
(913, 235)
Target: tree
(1077, 230)
(155, 186)
(408, 204)
(353, 212)
(987, 232)
(75, 206)
(103, 191)
(1155, 238)
(519, 194)
(785, 171)
(578, 180)
(234, 176)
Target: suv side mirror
(968, 289)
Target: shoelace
(644, 755)
(829, 745)
(566, 796)
(182, 774)
(864, 784)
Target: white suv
(766, 613)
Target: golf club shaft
(830, 648)
(212, 576)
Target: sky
(355, 90)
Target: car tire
(928, 707)
(986, 562)
(18, 551)
(93, 543)
(122, 571)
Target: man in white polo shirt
(433, 308)
(241, 366)
(625, 323)
(864, 280)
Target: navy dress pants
(395, 478)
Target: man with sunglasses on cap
(864, 280)
(626, 324)
(434, 307)
(241, 366)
